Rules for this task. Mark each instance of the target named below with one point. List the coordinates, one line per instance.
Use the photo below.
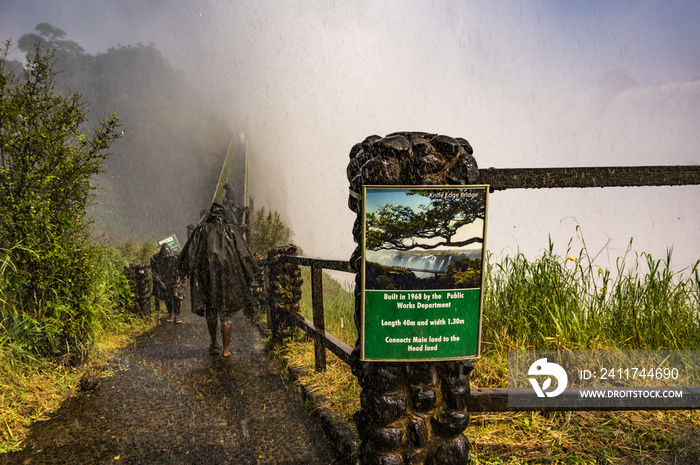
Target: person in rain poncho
(221, 269)
(166, 283)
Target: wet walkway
(170, 402)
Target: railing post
(319, 321)
(284, 289)
(138, 277)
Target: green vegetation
(553, 302)
(267, 231)
(338, 306)
(31, 385)
(571, 303)
(47, 160)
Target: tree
(49, 37)
(46, 166)
(398, 227)
(72, 63)
(464, 273)
(267, 231)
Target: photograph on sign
(422, 265)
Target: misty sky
(528, 83)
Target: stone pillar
(258, 289)
(284, 289)
(138, 277)
(415, 412)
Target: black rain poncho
(166, 278)
(220, 266)
(164, 269)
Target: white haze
(529, 84)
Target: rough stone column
(138, 277)
(284, 289)
(258, 289)
(415, 412)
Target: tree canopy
(267, 231)
(432, 225)
(49, 37)
(46, 162)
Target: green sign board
(171, 241)
(422, 272)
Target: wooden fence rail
(317, 329)
(598, 176)
(496, 400)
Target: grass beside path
(31, 390)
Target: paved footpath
(170, 402)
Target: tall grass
(18, 332)
(571, 303)
(34, 330)
(338, 306)
(337, 383)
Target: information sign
(422, 266)
(171, 241)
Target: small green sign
(422, 272)
(171, 241)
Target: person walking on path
(166, 282)
(157, 291)
(221, 268)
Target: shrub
(46, 165)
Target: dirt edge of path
(341, 435)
